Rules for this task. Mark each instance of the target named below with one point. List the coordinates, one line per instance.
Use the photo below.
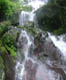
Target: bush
(52, 16)
(8, 8)
(4, 27)
(7, 40)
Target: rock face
(45, 51)
(40, 71)
(64, 37)
(46, 48)
(31, 69)
(44, 73)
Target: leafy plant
(52, 16)
(8, 8)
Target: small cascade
(59, 43)
(25, 17)
(28, 16)
(36, 4)
(25, 43)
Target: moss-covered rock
(29, 27)
(8, 36)
(9, 41)
(8, 48)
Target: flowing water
(28, 67)
(25, 44)
(27, 16)
(59, 43)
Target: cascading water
(26, 16)
(59, 43)
(25, 43)
(27, 68)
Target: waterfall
(25, 43)
(26, 16)
(27, 67)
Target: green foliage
(7, 46)
(59, 31)
(7, 40)
(29, 27)
(3, 50)
(9, 43)
(8, 8)
(12, 50)
(5, 8)
(52, 16)
(4, 27)
(27, 8)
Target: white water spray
(25, 42)
(59, 43)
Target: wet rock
(44, 73)
(39, 72)
(64, 37)
(30, 68)
(46, 48)
(60, 70)
(51, 50)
